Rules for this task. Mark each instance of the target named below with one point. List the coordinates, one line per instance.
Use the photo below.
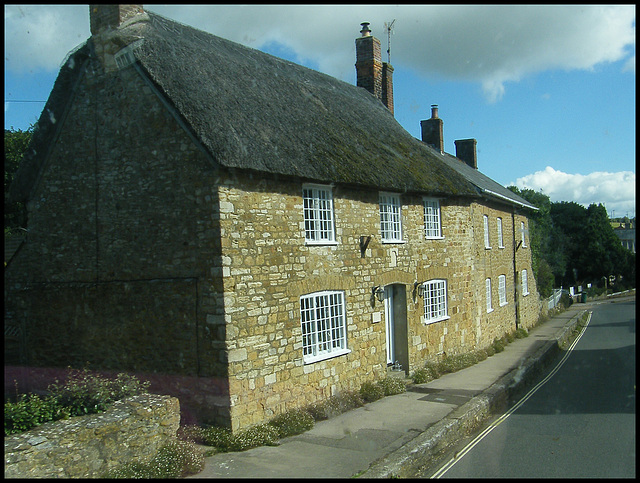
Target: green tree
(546, 241)
(15, 145)
(570, 219)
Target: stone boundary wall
(132, 430)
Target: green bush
(370, 391)
(223, 440)
(174, 460)
(521, 333)
(425, 374)
(30, 411)
(294, 421)
(498, 345)
(392, 385)
(335, 405)
(87, 393)
(82, 393)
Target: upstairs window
(432, 218)
(500, 239)
(318, 214)
(390, 218)
(324, 325)
(435, 301)
(522, 230)
(502, 290)
(485, 219)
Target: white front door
(388, 315)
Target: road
(579, 423)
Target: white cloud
(38, 37)
(617, 191)
(492, 45)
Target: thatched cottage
(259, 233)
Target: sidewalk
(391, 436)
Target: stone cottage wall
(132, 430)
(120, 268)
(267, 267)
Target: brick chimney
(432, 130)
(466, 151)
(373, 74)
(103, 17)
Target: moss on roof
(254, 111)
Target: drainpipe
(515, 268)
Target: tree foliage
(574, 245)
(15, 145)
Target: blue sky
(548, 91)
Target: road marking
(458, 456)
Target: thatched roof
(254, 111)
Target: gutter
(510, 200)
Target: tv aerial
(389, 27)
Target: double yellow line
(458, 456)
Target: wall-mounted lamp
(378, 292)
(419, 288)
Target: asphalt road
(580, 423)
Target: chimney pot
(371, 73)
(365, 29)
(110, 16)
(433, 130)
(466, 152)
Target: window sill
(320, 243)
(504, 304)
(392, 242)
(433, 321)
(489, 311)
(323, 357)
(434, 238)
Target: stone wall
(132, 430)
(267, 267)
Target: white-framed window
(435, 301)
(485, 220)
(432, 227)
(324, 325)
(487, 284)
(525, 283)
(319, 227)
(390, 217)
(500, 239)
(522, 231)
(502, 290)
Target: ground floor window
(435, 300)
(525, 283)
(324, 327)
(502, 290)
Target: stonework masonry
(130, 431)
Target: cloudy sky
(547, 91)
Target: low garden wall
(131, 430)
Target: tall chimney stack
(432, 130)
(466, 151)
(109, 16)
(373, 74)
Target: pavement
(396, 435)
